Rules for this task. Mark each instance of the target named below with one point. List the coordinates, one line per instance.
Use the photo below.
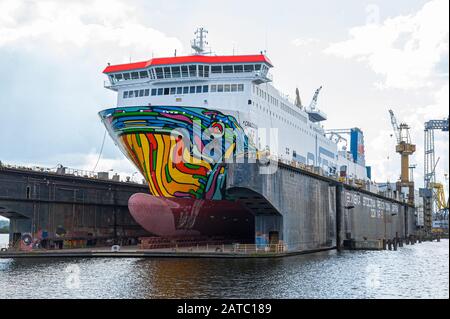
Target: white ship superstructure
(241, 86)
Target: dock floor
(136, 252)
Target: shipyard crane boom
(313, 103)
(395, 126)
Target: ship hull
(171, 147)
(185, 217)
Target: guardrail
(223, 248)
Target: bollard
(420, 239)
(438, 238)
(389, 244)
(407, 240)
(400, 244)
(395, 243)
(384, 244)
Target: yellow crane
(441, 202)
(434, 194)
(405, 148)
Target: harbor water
(414, 271)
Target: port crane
(314, 114)
(405, 148)
(433, 192)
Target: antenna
(199, 43)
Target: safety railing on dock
(187, 246)
(233, 249)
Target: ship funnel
(298, 101)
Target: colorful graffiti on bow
(179, 150)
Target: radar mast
(199, 43)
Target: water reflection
(419, 271)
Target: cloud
(53, 53)
(408, 51)
(299, 42)
(100, 25)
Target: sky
(368, 55)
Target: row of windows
(130, 76)
(136, 93)
(185, 71)
(217, 69)
(293, 124)
(269, 98)
(185, 90)
(180, 90)
(227, 88)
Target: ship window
(216, 69)
(227, 69)
(154, 91)
(186, 90)
(192, 70)
(220, 88)
(248, 68)
(160, 91)
(205, 89)
(143, 74)
(179, 90)
(294, 154)
(125, 94)
(126, 76)
(173, 90)
(200, 70)
(199, 89)
(257, 67)
(152, 73)
(227, 88)
(118, 76)
(131, 94)
(192, 89)
(233, 87)
(141, 93)
(184, 71)
(136, 93)
(213, 88)
(159, 73)
(238, 69)
(241, 87)
(206, 71)
(167, 73)
(166, 91)
(176, 72)
(147, 92)
(134, 75)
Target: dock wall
(314, 212)
(67, 208)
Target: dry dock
(54, 213)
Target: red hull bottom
(168, 217)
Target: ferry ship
(171, 114)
